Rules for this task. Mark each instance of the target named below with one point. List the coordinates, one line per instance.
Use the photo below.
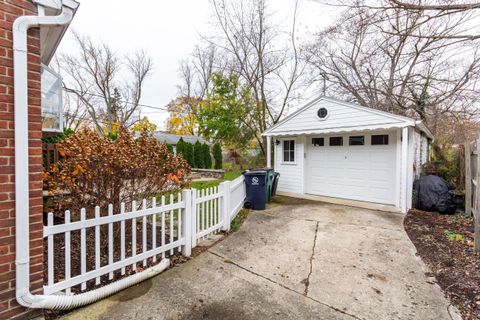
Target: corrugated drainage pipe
(22, 212)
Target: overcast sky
(168, 32)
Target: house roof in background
(171, 138)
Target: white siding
(291, 174)
(424, 157)
(417, 167)
(420, 149)
(339, 116)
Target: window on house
(356, 140)
(318, 142)
(289, 151)
(379, 139)
(52, 107)
(336, 141)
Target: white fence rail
(107, 246)
(237, 194)
(208, 220)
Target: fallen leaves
(445, 243)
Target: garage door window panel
(356, 140)
(379, 139)
(336, 141)
(318, 142)
(289, 151)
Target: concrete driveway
(297, 260)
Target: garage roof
(339, 116)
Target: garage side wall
(420, 153)
(291, 174)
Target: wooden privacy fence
(112, 245)
(50, 154)
(472, 186)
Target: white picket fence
(105, 245)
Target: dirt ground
(445, 243)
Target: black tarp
(432, 194)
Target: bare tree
(196, 71)
(195, 81)
(450, 9)
(263, 55)
(96, 75)
(436, 6)
(434, 9)
(74, 112)
(401, 61)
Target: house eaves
(50, 36)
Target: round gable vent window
(322, 113)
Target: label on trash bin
(255, 181)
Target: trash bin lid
(255, 173)
(261, 169)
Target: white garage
(345, 153)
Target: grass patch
(205, 184)
(230, 175)
(239, 219)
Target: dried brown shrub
(98, 170)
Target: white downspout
(20, 82)
(22, 212)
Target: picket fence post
(194, 216)
(187, 223)
(225, 205)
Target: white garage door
(364, 172)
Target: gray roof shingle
(172, 139)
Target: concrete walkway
(297, 260)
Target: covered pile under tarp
(431, 193)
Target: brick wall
(9, 11)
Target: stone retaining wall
(206, 173)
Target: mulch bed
(445, 243)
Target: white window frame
(60, 101)
(289, 150)
(325, 118)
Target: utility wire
(68, 90)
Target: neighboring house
(173, 139)
(339, 150)
(30, 98)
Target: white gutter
(22, 213)
(423, 128)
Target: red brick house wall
(9, 11)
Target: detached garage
(346, 153)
